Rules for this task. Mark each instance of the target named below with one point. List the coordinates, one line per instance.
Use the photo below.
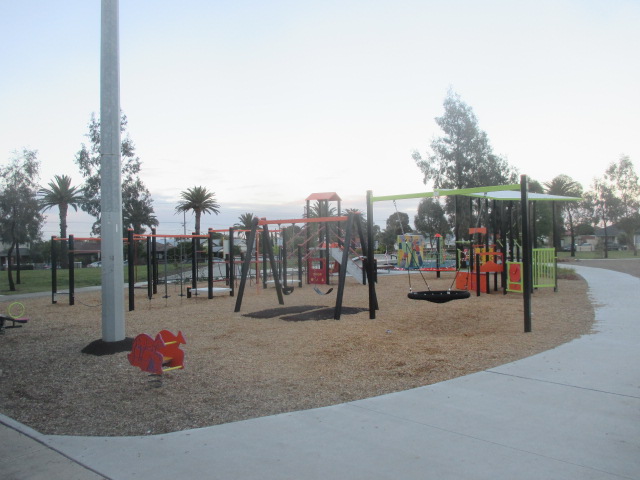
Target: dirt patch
(244, 365)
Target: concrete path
(569, 413)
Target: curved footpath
(569, 413)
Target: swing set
(434, 296)
(266, 239)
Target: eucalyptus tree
(462, 157)
(603, 207)
(135, 196)
(199, 200)
(624, 180)
(431, 220)
(137, 212)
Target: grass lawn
(40, 280)
(597, 255)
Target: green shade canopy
(500, 192)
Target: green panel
(446, 192)
(544, 267)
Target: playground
(267, 358)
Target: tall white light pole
(110, 182)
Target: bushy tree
(623, 180)
(397, 224)
(137, 211)
(431, 219)
(20, 217)
(603, 207)
(135, 196)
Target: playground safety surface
(238, 367)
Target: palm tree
(321, 209)
(245, 222)
(200, 200)
(565, 186)
(63, 195)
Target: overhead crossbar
(533, 197)
(303, 220)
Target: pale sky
(266, 102)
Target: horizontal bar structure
(303, 220)
(533, 197)
(56, 239)
(144, 235)
(445, 192)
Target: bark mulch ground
(266, 359)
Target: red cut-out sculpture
(158, 355)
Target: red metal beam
(303, 220)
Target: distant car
(95, 265)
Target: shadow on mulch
(276, 312)
(100, 347)
(303, 313)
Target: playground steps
(352, 267)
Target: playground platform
(572, 412)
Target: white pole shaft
(110, 182)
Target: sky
(267, 102)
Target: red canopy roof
(330, 196)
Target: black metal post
(246, 264)
(527, 280)
(343, 269)
(373, 301)
(210, 264)
(284, 258)
(264, 255)
(149, 270)
(299, 266)
(274, 267)
(131, 269)
(232, 264)
(72, 279)
(195, 245)
(478, 280)
(54, 270)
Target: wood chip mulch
(266, 359)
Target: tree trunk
(197, 222)
(12, 285)
(573, 235)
